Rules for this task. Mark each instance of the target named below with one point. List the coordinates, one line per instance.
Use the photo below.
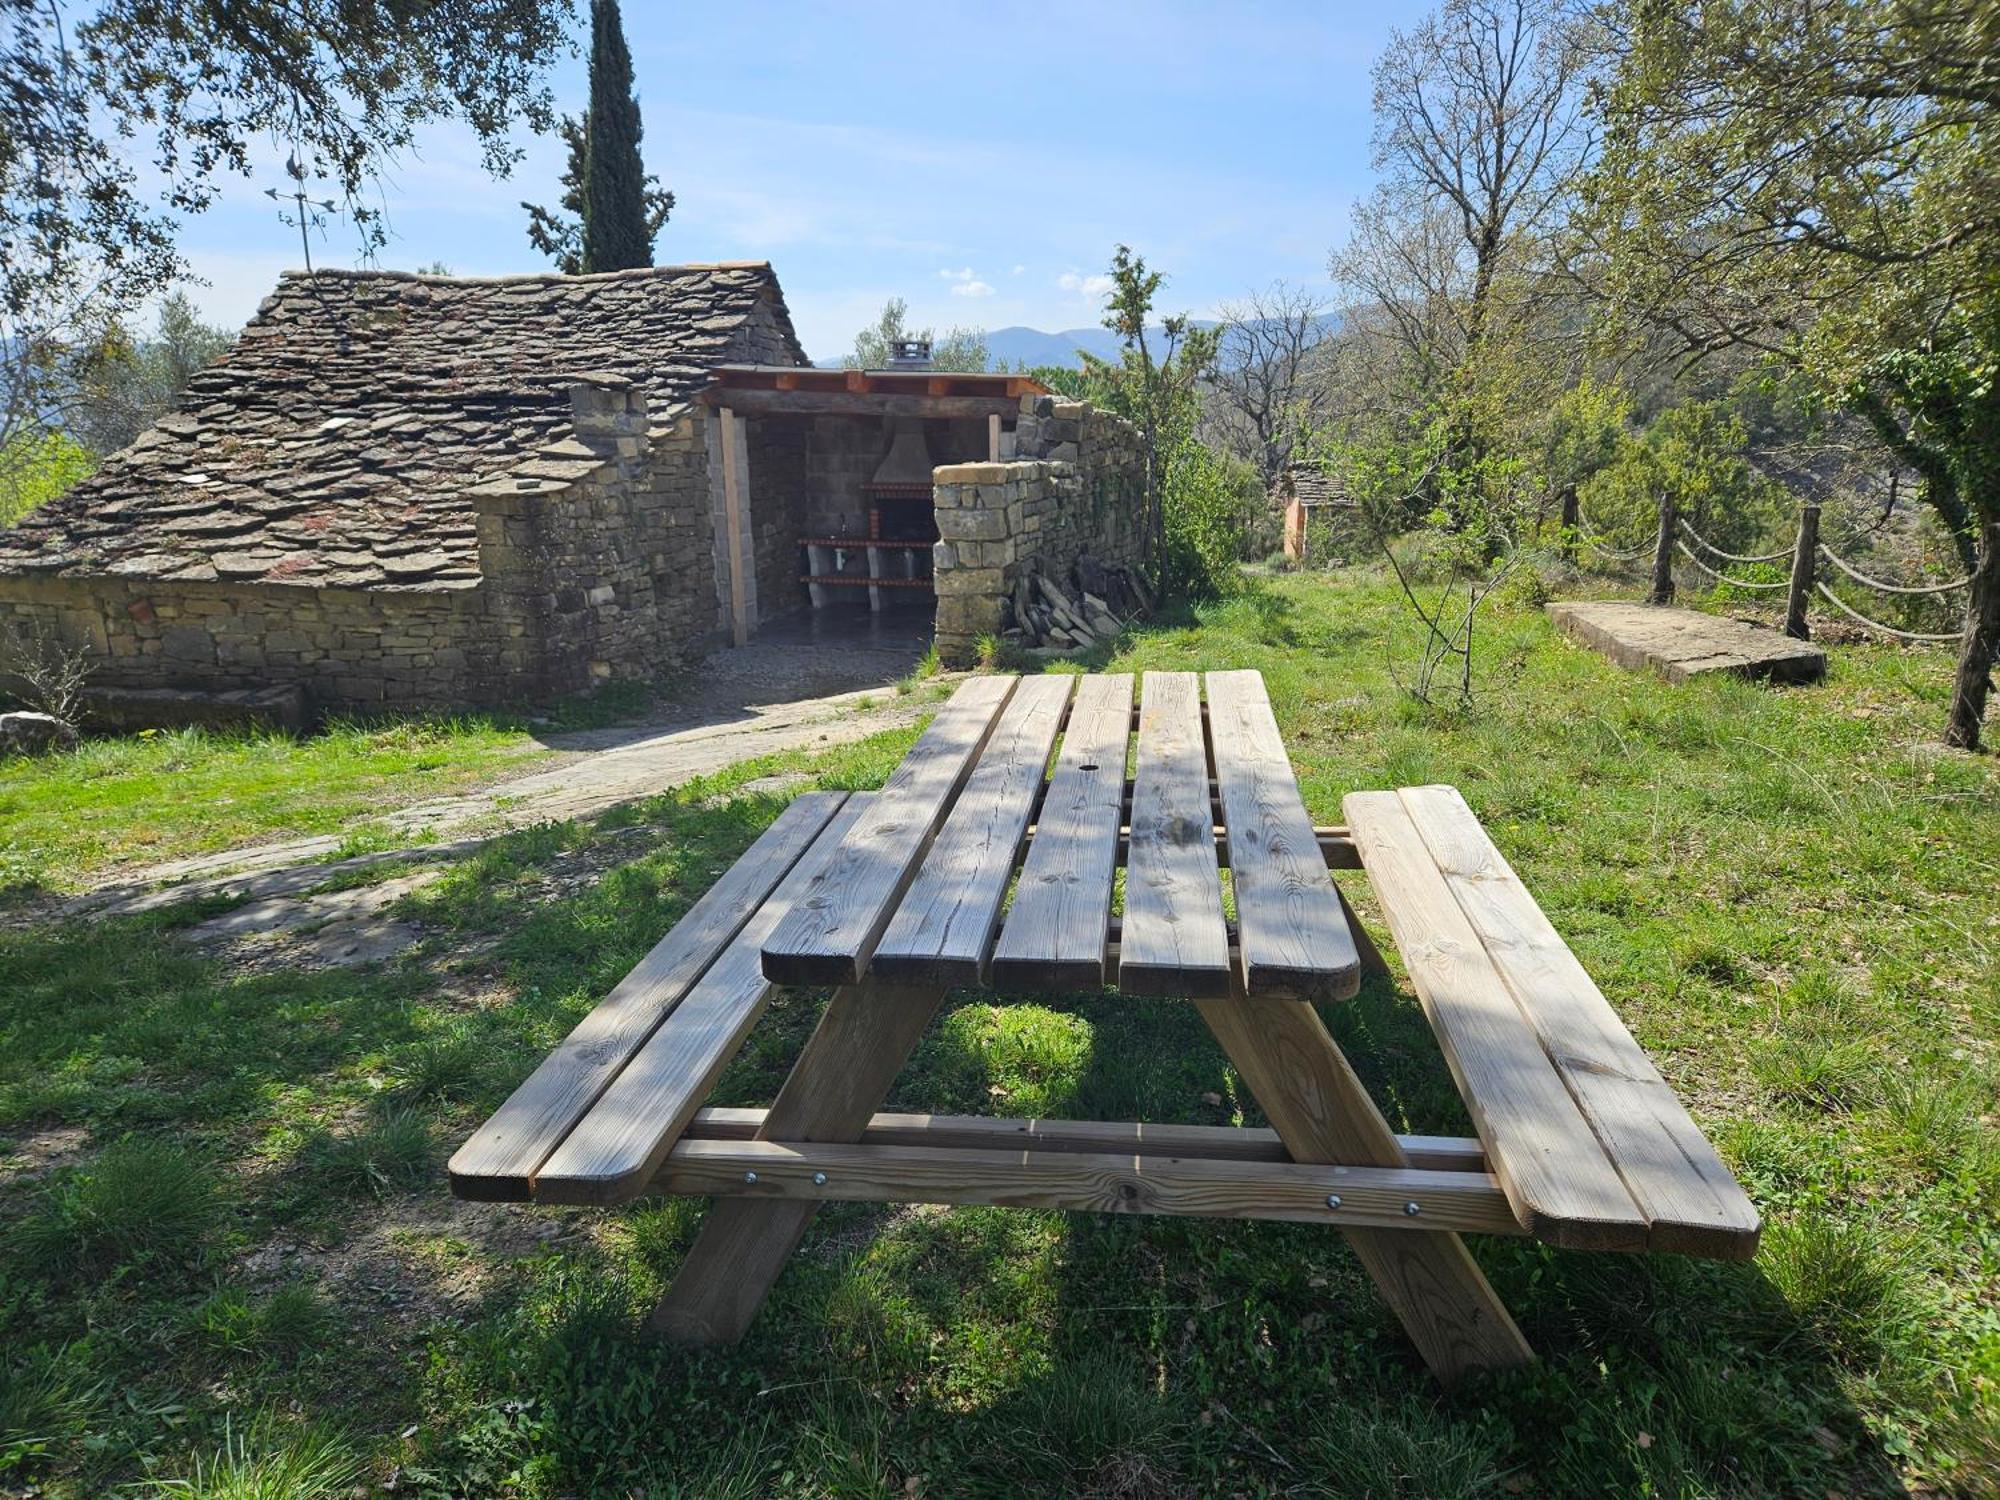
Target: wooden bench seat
(707, 971)
(1588, 1140)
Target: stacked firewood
(1051, 619)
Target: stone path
(720, 724)
(1682, 643)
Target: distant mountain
(1030, 346)
(1008, 347)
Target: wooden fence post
(1663, 554)
(1805, 557)
(1570, 522)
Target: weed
(1406, 1450)
(1842, 1284)
(390, 1148)
(140, 1203)
(268, 1461)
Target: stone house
(406, 491)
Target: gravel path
(745, 703)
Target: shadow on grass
(981, 1351)
(999, 1352)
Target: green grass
(139, 799)
(1789, 894)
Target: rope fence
(1735, 583)
(1804, 555)
(1887, 588)
(1856, 615)
(1707, 546)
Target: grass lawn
(226, 1251)
(140, 799)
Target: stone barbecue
(414, 491)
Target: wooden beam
(732, 508)
(1348, 1197)
(1436, 1153)
(993, 437)
(859, 402)
(1310, 1094)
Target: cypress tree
(611, 212)
(616, 235)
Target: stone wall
(1073, 487)
(594, 565)
(594, 553)
(350, 649)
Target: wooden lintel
(1338, 1197)
(857, 403)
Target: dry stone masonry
(415, 492)
(1067, 503)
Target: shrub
(1206, 503)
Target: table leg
(1372, 961)
(839, 1081)
(1322, 1113)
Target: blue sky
(979, 160)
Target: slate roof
(334, 442)
(1312, 483)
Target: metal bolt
(819, 1179)
(1411, 1208)
(1333, 1200)
(750, 1177)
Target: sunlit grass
(1789, 894)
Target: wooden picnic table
(896, 897)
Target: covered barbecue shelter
(824, 478)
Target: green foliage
(958, 349)
(1208, 501)
(1582, 433)
(35, 468)
(122, 383)
(1159, 394)
(1695, 453)
(1820, 185)
(1405, 1450)
(122, 121)
(390, 1148)
(612, 210)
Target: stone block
(190, 643)
(982, 525)
(964, 580)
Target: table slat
(502, 1156)
(944, 928)
(1294, 939)
(829, 937)
(612, 1154)
(1174, 940)
(1691, 1198)
(1055, 933)
(1538, 1144)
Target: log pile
(1052, 619)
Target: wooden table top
(918, 891)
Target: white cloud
(971, 289)
(964, 275)
(1020, 270)
(1089, 286)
